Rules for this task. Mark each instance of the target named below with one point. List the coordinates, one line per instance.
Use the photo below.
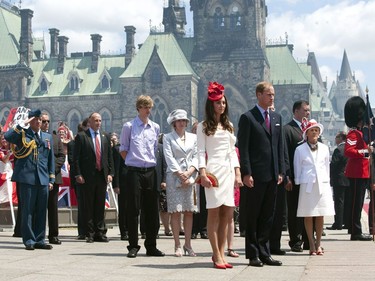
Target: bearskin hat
(354, 111)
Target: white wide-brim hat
(177, 114)
(311, 124)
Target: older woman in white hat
(180, 152)
(311, 172)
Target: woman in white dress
(311, 171)
(180, 152)
(217, 155)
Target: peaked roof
(311, 60)
(169, 51)
(90, 81)
(345, 72)
(284, 68)
(10, 31)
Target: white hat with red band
(312, 124)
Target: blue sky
(325, 27)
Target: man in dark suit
(53, 216)
(339, 182)
(293, 138)
(260, 141)
(34, 172)
(94, 169)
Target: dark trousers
(34, 200)
(357, 196)
(17, 227)
(93, 196)
(53, 222)
(81, 222)
(260, 209)
(278, 219)
(243, 210)
(122, 213)
(295, 224)
(141, 195)
(200, 219)
(339, 201)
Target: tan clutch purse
(211, 177)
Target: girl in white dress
(217, 155)
(311, 171)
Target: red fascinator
(215, 91)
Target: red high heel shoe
(219, 266)
(228, 265)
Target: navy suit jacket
(33, 169)
(261, 151)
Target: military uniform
(34, 171)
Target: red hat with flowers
(215, 91)
(311, 124)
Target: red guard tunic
(357, 152)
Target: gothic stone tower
(230, 48)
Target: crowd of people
(191, 181)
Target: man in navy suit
(34, 172)
(260, 141)
(94, 169)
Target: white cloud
(328, 31)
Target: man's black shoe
(278, 252)
(124, 237)
(333, 227)
(155, 253)
(101, 239)
(271, 261)
(81, 237)
(193, 236)
(16, 235)
(54, 240)
(255, 262)
(133, 252)
(43, 246)
(361, 237)
(204, 235)
(30, 247)
(323, 233)
(296, 248)
(89, 240)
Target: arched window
(106, 122)
(218, 19)
(73, 122)
(43, 85)
(156, 76)
(105, 82)
(7, 94)
(74, 83)
(159, 115)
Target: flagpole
(371, 166)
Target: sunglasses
(45, 121)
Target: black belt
(138, 169)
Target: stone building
(229, 46)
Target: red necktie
(266, 119)
(98, 153)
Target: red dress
(357, 151)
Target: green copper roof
(284, 68)
(90, 82)
(10, 30)
(169, 51)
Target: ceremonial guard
(35, 172)
(357, 167)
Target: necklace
(313, 146)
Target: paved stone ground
(77, 260)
